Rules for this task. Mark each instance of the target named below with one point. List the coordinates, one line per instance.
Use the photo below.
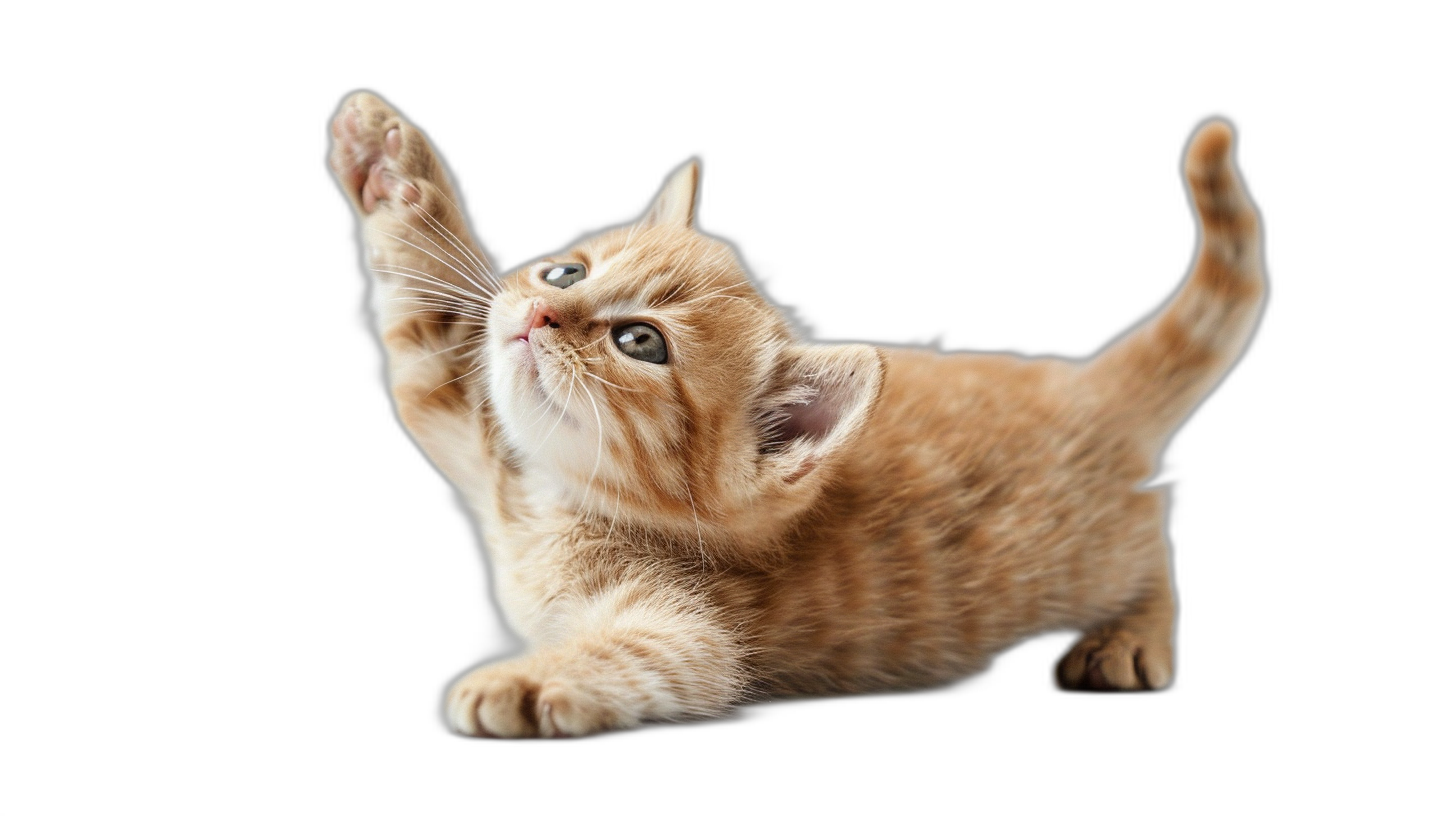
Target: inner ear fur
(676, 203)
(818, 399)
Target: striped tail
(1155, 375)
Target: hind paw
(1116, 660)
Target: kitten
(687, 507)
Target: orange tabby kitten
(688, 507)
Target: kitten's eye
(564, 275)
(641, 342)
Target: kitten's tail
(1158, 372)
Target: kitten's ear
(820, 397)
(677, 201)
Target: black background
(1040, 219)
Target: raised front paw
(1117, 660)
(514, 699)
(377, 156)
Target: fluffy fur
(758, 516)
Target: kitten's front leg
(628, 655)
(433, 287)
(414, 230)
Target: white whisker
(436, 297)
(564, 406)
(448, 236)
(714, 293)
(615, 513)
(442, 262)
(590, 344)
(601, 435)
(467, 266)
(443, 305)
(709, 297)
(542, 411)
(606, 382)
(467, 341)
(449, 317)
(432, 311)
(702, 545)
(461, 213)
(481, 263)
(478, 367)
(426, 278)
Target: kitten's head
(647, 380)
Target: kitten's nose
(543, 316)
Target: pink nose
(543, 316)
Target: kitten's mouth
(524, 335)
(530, 353)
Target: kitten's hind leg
(1133, 652)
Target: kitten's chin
(536, 424)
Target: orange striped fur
(758, 516)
